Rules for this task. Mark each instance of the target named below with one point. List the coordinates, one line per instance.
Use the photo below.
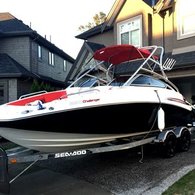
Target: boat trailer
(167, 139)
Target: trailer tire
(184, 141)
(169, 145)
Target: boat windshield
(142, 81)
(91, 82)
(145, 80)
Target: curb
(169, 181)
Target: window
(39, 52)
(88, 61)
(130, 31)
(65, 66)
(158, 83)
(144, 80)
(89, 83)
(51, 58)
(119, 81)
(186, 18)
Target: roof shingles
(10, 68)
(11, 26)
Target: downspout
(150, 33)
(162, 14)
(157, 8)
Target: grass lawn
(184, 186)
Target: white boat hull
(58, 142)
(83, 116)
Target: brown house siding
(159, 27)
(106, 38)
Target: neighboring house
(168, 23)
(83, 59)
(25, 56)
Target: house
(83, 61)
(28, 61)
(167, 23)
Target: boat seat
(44, 98)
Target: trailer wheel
(169, 145)
(184, 141)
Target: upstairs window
(51, 58)
(130, 31)
(39, 52)
(186, 18)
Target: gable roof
(11, 68)
(113, 13)
(108, 24)
(90, 47)
(157, 5)
(12, 27)
(10, 24)
(93, 31)
(93, 46)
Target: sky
(58, 20)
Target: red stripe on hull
(46, 97)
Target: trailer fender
(163, 135)
(178, 131)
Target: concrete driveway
(119, 173)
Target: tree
(37, 86)
(97, 19)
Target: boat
(100, 106)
